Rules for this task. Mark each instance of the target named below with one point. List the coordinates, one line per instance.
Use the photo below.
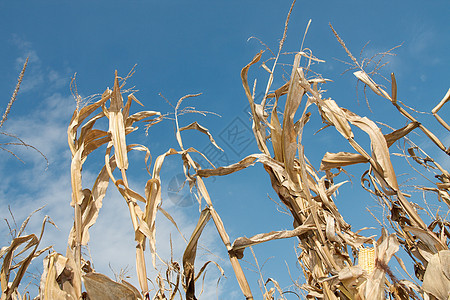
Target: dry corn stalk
(87, 202)
(323, 234)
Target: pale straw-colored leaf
(438, 107)
(75, 172)
(362, 75)
(386, 247)
(437, 275)
(289, 134)
(54, 266)
(117, 127)
(257, 130)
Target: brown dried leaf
(336, 116)
(437, 276)
(191, 252)
(203, 130)
(79, 116)
(142, 115)
(394, 136)
(340, 159)
(241, 243)
(99, 286)
(8, 253)
(428, 238)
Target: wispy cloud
(38, 74)
(422, 41)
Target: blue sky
(180, 48)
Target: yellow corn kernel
(366, 259)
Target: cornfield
(337, 261)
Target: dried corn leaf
(96, 138)
(438, 107)
(137, 294)
(340, 159)
(351, 277)
(269, 294)
(387, 246)
(54, 266)
(8, 253)
(153, 200)
(75, 172)
(142, 115)
(177, 133)
(335, 116)
(203, 130)
(117, 127)
(276, 134)
(87, 129)
(289, 134)
(191, 252)
(79, 116)
(128, 193)
(257, 130)
(203, 268)
(61, 277)
(240, 276)
(172, 220)
(434, 244)
(99, 286)
(241, 243)
(141, 269)
(394, 136)
(380, 152)
(242, 164)
(362, 75)
(437, 276)
(74, 283)
(126, 108)
(90, 213)
(30, 241)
